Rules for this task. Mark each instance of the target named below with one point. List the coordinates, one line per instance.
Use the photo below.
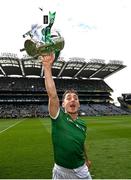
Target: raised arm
(53, 104)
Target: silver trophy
(41, 39)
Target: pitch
(26, 148)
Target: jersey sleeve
(53, 118)
(59, 114)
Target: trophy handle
(30, 48)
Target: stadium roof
(75, 67)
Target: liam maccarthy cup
(42, 40)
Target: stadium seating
(27, 97)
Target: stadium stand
(125, 102)
(23, 94)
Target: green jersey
(68, 138)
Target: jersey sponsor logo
(77, 125)
(80, 127)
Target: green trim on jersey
(68, 138)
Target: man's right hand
(47, 60)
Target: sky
(98, 29)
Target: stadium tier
(23, 94)
(11, 65)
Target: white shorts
(60, 172)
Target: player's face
(71, 103)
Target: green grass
(26, 148)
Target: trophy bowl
(36, 49)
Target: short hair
(69, 91)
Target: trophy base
(37, 49)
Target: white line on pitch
(11, 126)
